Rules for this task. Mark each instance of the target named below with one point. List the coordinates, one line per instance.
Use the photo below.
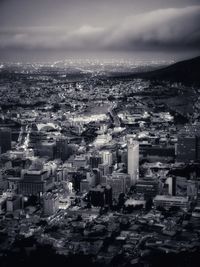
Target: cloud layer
(164, 29)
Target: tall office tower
(133, 160)
(198, 193)
(101, 195)
(96, 196)
(14, 203)
(91, 178)
(5, 139)
(47, 149)
(95, 161)
(198, 146)
(148, 187)
(108, 195)
(34, 182)
(171, 181)
(188, 145)
(119, 182)
(50, 203)
(97, 175)
(107, 157)
(192, 188)
(105, 169)
(62, 149)
(84, 186)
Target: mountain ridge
(186, 71)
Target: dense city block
(98, 168)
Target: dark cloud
(174, 28)
(165, 29)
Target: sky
(37, 30)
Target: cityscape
(99, 155)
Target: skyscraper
(119, 182)
(133, 160)
(5, 139)
(107, 157)
(171, 181)
(50, 203)
(188, 145)
(34, 182)
(95, 161)
(62, 148)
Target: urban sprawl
(98, 167)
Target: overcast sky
(54, 29)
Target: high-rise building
(91, 178)
(5, 139)
(107, 157)
(96, 196)
(50, 203)
(84, 186)
(80, 161)
(97, 176)
(186, 148)
(101, 195)
(13, 203)
(148, 187)
(62, 149)
(133, 160)
(46, 149)
(119, 182)
(171, 181)
(95, 161)
(105, 169)
(192, 188)
(167, 201)
(188, 145)
(108, 195)
(34, 182)
(198, 193)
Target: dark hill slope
(187, 71)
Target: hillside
(187, 71)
